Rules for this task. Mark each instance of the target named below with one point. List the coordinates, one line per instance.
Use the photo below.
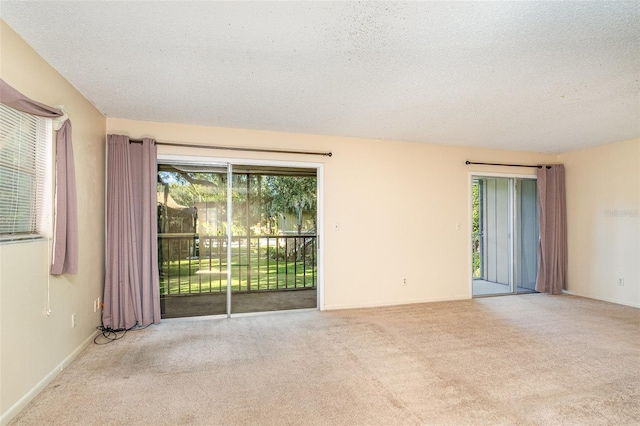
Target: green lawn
(203, 276)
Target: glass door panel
(492, 236)
(192, 239)
(527, 235)
(274, 239)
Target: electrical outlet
(95, 305)
(74, 320)
(621, 281)
(404, 281)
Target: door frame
(513, 224)
(234, 161)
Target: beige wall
(397, 204)
(33, 345)
(603, 202)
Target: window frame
(34, 142)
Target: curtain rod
(507, 165)
(232, 148)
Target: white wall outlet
(404, 281)
(95, 305)
(74, 320)
(99, 305)
(621, 281)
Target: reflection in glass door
(504, 235)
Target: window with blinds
(24, 175)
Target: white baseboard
(381, 304)
(15, 409)
(604, 299)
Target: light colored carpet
(528, 359)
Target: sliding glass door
(504, 235)
(236, 238)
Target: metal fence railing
(194, 264)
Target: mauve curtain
(16, 100)
(132, 293)
(65, 235)
(552, 250)
(65, 238)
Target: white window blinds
(24, 170)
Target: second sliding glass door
(236, 238)
(505, 235)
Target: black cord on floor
(110, 335)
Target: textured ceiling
(539, 76)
